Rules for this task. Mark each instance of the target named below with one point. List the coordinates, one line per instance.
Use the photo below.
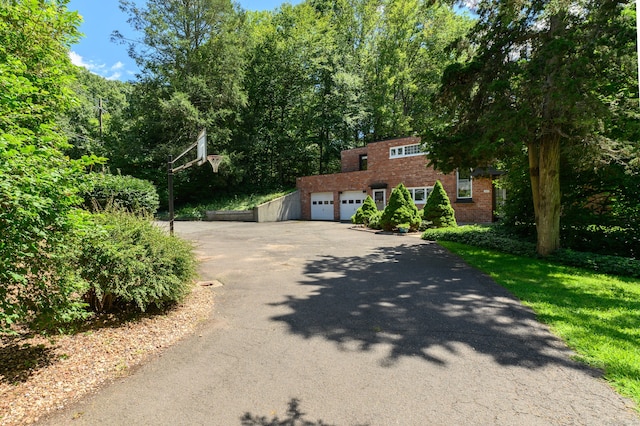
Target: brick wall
(411, 171)
(350, 159)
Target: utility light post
(202, 158)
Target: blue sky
(97, 53)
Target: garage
(322, 206)
(350, 202)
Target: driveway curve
(319, 324)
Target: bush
(364, 213)
(492, 239)
(400, 210)
(607, 240)
(374, 220)
(438, 208)
(127, 260)
(104, 191)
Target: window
(379, 196)
(465, 186)
(363, 162)
(405, 151)
(420, 195)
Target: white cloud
(114, 76)
(78, 60)
(113, 72)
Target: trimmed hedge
(103, 191)
(129, 262)
(489, 238)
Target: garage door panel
(322, 206)
(350, 202)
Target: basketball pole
(170, 181)
(202, 158)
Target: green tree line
(280, 92)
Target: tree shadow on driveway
(421, 301)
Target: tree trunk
(547, 195)
(534, 176)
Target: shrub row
(489, 238)
(104, 191)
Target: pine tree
(400, 210)
(364, 213)
(438, 209)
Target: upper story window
(405, 151)
(420, 195)
(465, 184)
(362, 163)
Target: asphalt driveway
(320, 323)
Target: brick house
(378, 168)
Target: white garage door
(322, 206)
(350, 201)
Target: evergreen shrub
(364, 213)
(438, 208)
(105, 191)
(400, 210)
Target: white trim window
(420, 195)
(464, 184)
(405, 151)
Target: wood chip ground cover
(39, 375)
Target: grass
(228, 203)
(597, 315)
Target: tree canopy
(546, 79)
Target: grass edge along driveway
(598, 316)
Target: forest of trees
(281, 92)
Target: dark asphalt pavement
(321, 323)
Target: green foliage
(90, 120)
(364, 213)
(235, 202)
(128, 261)
(566, 104)
(38, 184)
(400, 210)
(438, 208)
(374, 220)
(104, 191)
(597, 315)
(281, 93)
(607, 240)
(493, 239)
(192, 61)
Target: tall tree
(541, 81)
(409, 54)
(192, 63)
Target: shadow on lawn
(419, 300)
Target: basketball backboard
(202, 147)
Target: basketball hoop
(215, 161)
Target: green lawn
(232, 203)
(597, 315)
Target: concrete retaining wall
(281, 209)
(278, 210)
(230, 216)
